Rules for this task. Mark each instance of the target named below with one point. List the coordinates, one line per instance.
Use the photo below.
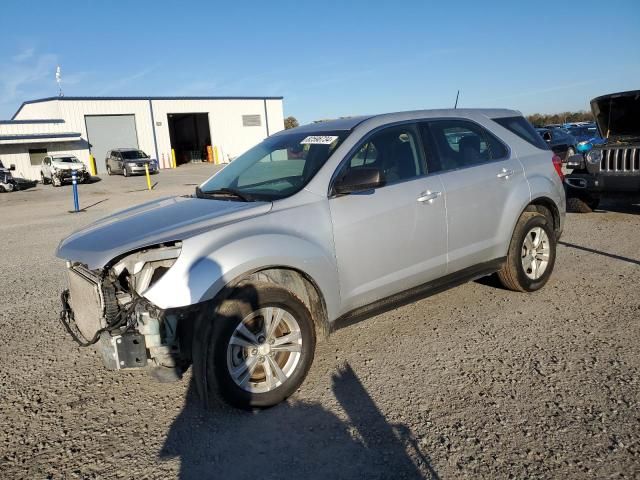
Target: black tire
(214, 330)
(513, 275)
(2, 189)
(43, 179)
(582, 204)
(109, 170)
(125, 172)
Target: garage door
(107, 132)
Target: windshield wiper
(223, 191)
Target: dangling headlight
(142, 269)
(594, 156)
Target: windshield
(66, 159)
(276, 168)
(133, 154)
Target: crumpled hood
(163, 220)
(618, 114)
(67, 165)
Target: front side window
(395, 151)
(462, 144)
(275, 168)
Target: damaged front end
(106, 308)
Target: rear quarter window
(521, 127)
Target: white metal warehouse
(191, 126)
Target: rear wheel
(582, 204)
(256, 349)
(531, 256)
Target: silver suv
(312, 229)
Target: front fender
(196, 279)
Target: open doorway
(190, 136)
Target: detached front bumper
(67, 175)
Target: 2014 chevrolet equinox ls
(313, 227)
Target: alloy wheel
(264, 350)
(535, 253)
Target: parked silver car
(129, 161)
(312, 229)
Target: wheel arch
(547, 207)
(298, 282)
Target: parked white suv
(57, 169)
(314, 228)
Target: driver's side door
(392, 238)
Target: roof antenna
(59, 81)
(457, 95)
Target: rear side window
(462, 144)
(522, 128)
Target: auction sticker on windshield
(319, 140)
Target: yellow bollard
(173, 159)
(92, 165)
(216, 160)
(146, 171)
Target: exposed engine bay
(106, 308)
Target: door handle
(428, 196)
(504, 173)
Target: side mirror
(358, 180)
(575, 161)
(584, 147)
(12, 167)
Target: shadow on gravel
(295, 440)
(491, 281)
(600, 252)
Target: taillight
(557, 164)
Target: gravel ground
(477, 382)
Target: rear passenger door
(479, 175)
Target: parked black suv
(612, 168)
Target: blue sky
(328, 58)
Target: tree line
(542, 119)
(537, 119)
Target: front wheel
(531, 256)
(109, 170)
(55, 181)
(125, 172)
(256, 348)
